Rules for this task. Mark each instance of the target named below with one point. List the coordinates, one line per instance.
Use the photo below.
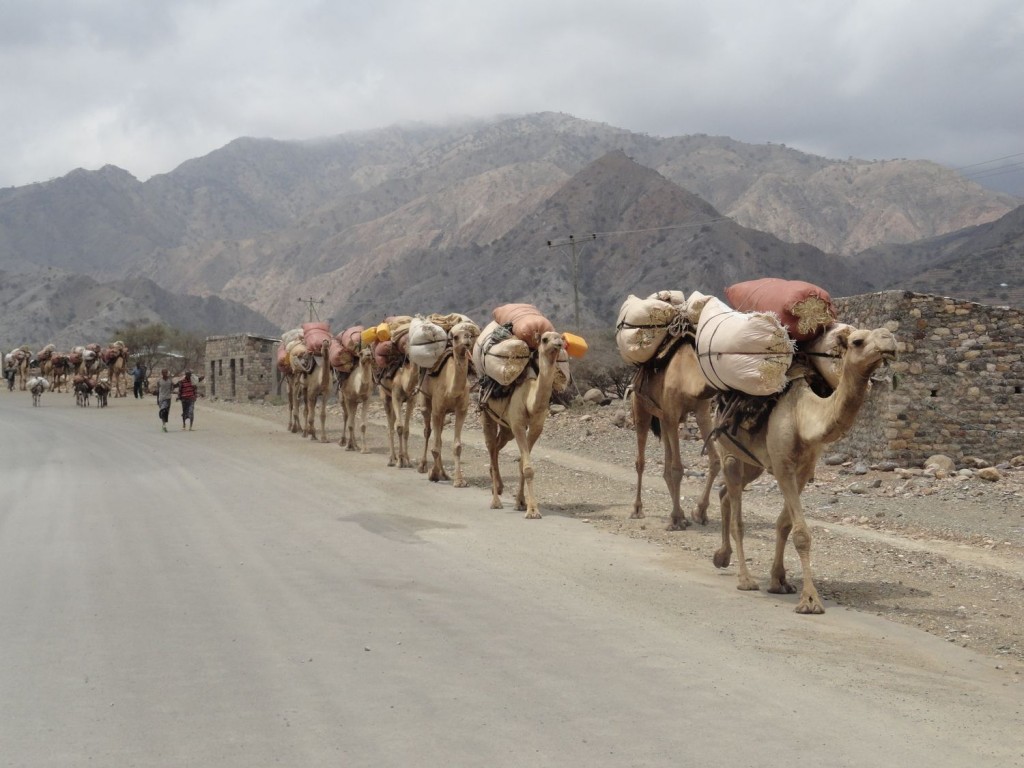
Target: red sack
(314, 335)
(382, 353)
(342, 359)
(804, 309)
(351, 338)
(528, 323)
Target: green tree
(144, 341)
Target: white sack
(745, 351)
(427, 342)
(642, 326)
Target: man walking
(164, 388)
(187, 392)
(139, 380)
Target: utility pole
(576, 250)
(311, 303)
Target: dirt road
(240, 596)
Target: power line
(312, 304)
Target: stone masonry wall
(958, 383)
(241, 367)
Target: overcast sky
(148, 84)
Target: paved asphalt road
(236, 596)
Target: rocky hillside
(412, 217)
(50, 306)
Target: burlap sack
(527, 322)
(642, 326)
(804, 309)
(745, 351)
(427, 342)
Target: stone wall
(958, 383)
(241, 367)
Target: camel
(316, 387)
(116, 359)
(354, 390)
(663, 395)
(60, 370)
(20, 360)
(444, 390)
(398, 393)
(521, 414)
(788, 444)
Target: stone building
(958, 383)
(241, 367)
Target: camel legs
(525, 499)
(389, 412)
(460, 419)
(642, 422)
(737, 475)
(495, 438)
(402, 412)
(792, 519)
(437, 471)
(428, 428)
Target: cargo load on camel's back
(643, 325)
(314, 335)
(804, 309)
(745, 351)
(426, 342)
(526, 321)
(499, 354)
(345, 348)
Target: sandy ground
(942, 555)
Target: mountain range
(461, 217)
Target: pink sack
(528, 323)
(804, 309)
(351, 338)
(314, 335)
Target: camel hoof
(391, 462)
(364, 450)
(747, 584)
(638, 514)
(810, 608)
(351, 447)
(781, 588)
(460, 484)
(701, 516)
(422, 469)
(496, 504)
(721, 558)
(678, 525)
(534, 515)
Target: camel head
(865, 350)
(463, 336)
(551, 344)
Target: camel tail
(656, 426)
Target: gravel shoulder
(943, 555)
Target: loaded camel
(116, 358)
(521, 414)
(663, 395)
(315, 387)
(354, 390)
(398, 393)
(20, 360)
(444, 390)
(788, 444)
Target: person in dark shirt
(187, 393)
(139, 380)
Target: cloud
(147, 85)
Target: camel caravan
(770, 377)
(434, 362)
(88, 371)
